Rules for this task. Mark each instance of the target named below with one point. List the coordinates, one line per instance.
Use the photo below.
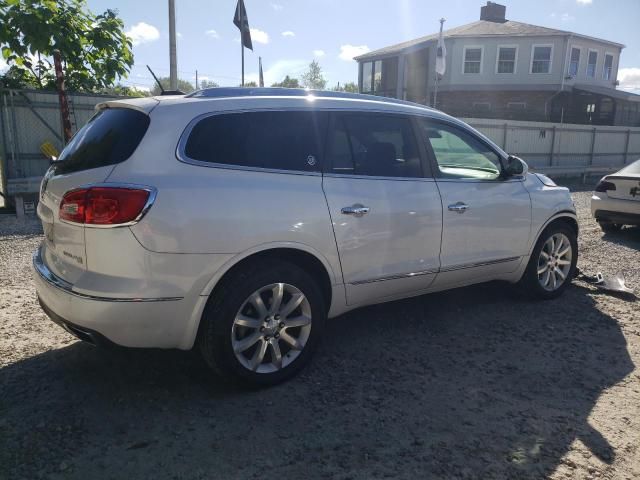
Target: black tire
(608, 227)
(529, 284)
(214, 337)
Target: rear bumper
(605, 209)
(128, 322)
(617, 217)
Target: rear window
(110, 137)
(278, 140)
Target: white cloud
(276, 6)
(347, 52)
(629, 79)
(259, 36)
(276, 72)
(3, 64)
(142, 32)
(584, 2)
(179, 35)
(319, 53)
(212, 34)
(288, 33)
(563, 17)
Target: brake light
(604, 186)
(103, 205)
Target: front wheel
(263, 324)
(552, 264)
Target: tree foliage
(350, 87)
(313, 77)
(183, 85)
(208, 84)
(287, 82)
(94, 48)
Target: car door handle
(459, 207)
(356, 210)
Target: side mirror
(515, 166)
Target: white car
(616, 199)
(240, 219)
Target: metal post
(553, 145)
(173, 61)
(242, 41)
(435, 90)
(4, 166)
(626, 147)
(504, 137)
(593, 144)
(197, 88)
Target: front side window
(458, 154)
(507, 59)
(608, 67)
(374, 145)
(278, 140)
(591, 66)
(575, 61)
(367, 70)
(472, 60)
(541, 61)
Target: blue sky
(290, 33)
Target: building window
(367, 70)
(591, 107)
(541, 59)
(575, 61)
(507, 59)
(377, 76)
(472, 60)
(591, 65)
(516, 106)
(608, 66)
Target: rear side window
(374, 145)
(278, 140)
(110, 137)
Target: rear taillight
(604, 186)
(104, 205)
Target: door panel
(392, 249)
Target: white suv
(240, 219)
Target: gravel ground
(471, 383)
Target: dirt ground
(470, 383)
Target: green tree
(183, 86)
(250, 84)
(313, 78)
(208, 84)
(288, 82)
(94, 48)
(350, 87)
(125, 90)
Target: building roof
(610, 92)
(481, 28)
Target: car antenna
(162, 90)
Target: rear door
(110, 137)
(386, 212)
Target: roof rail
(222, 92)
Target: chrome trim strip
(480, 264)
(153, 194)
(61, 284)
(396, 277)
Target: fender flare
(230, 263)
(561, 214)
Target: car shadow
(629, 236)
(468, 383)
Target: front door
(386, 214)
(486, 219)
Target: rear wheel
(608, 227)
(263, 325)
(552, 264)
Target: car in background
(616, 199)
(238, 220)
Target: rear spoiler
(144, 104)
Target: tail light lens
(103, 205)
(604, 186)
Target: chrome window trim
(153, 193)
(61, 284)
(371, 177)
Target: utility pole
(173, 62)
(197, 88)
(242, 41)
(435, 90)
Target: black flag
(241, 21)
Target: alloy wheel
(271, 328)
(554, 262)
